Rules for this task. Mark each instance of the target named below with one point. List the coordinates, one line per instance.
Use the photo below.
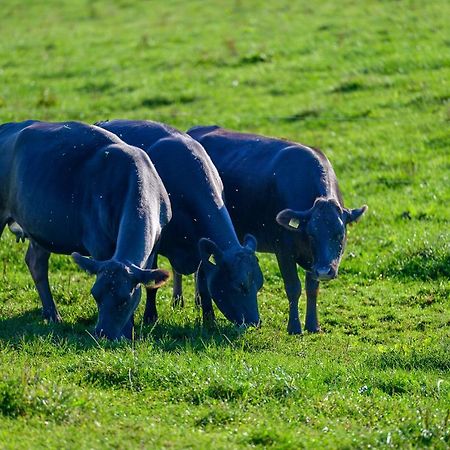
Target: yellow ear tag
(212, 260)
(294, 223)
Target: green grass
(365, 81)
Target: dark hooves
(209, 319)
(294, 329)
(150, 320)
(314, 330)
(312, 327)
(53, 317)
(178, 301)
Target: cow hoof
(178, 301)
(52, 317)
(316, 329)
(294, 328)
(150, 320)
(295, 332)
(209, 319)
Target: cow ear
(209, 252)
(293, 220)
(353, 215)
(154, 277)
(250, 242)
(88, 264)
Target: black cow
(200, 227)
(71, 187)
(287, 195)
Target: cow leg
(128, 329)
(293, 288)
(203, 297)
(177, 298)
(150, 313)
(312, 290)
(37, 261)
(197, 300)
(2, 226)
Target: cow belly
(184, 262)
(55, 236)
(266, 237)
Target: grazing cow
(71, 187)
(201, 229)
(287, 196)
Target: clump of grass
(47, 99)
(435, 358)
(425, 263)
(31, 396)
(255, 58)
(95, 87)
(159, 100)
(302, 115)
(348, 86)
(12, 398)
(217, 416)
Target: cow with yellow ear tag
(287, 196)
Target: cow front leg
(37, 262)
(3, 223)
(150, 312)
(312, 291)
(293, 288)
(177, 295)
(129, 330)
(203, 297)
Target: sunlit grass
(367, 82)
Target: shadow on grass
(195, 336)
(29, 326)
(421, 264)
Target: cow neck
(327, 184)
(135, 240)
(219, 228)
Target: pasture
(368, 83)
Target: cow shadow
(29, 326)
(192, 335)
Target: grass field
(366, 81)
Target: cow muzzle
(109, 333)
(326, 273)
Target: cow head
(324, 226)
(116, 291)
(234, 278)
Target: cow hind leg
(37, 261)
(203, 297)
(150, 312)
(312, 290)
(177, 297)
(293, 288)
